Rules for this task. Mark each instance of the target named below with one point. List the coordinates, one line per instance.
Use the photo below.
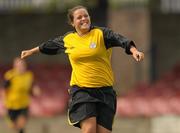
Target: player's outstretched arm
(137, 55)
(26, 53)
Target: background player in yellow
(92, 104)
(18, 84)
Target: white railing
(23, 4)
(170, 6)
(122, 3)
(18, 4)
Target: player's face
(20, 65)
(81, 21)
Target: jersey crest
(92, 45)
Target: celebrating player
(92, 103)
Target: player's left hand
(137, 55)
(36, 90)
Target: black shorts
(89, 102)
(14, 114)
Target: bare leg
(101, 129)
(88, 125)
(20, 124)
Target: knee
(21, 122)
(88, 125)
(89, 129)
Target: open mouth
(85, 24)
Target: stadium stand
(159, 98)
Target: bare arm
(36, 90)
(3, 94)
(26, 53)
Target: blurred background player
(18, 83)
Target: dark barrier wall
(165, 42)
(24, 31)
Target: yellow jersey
(17, 93)
(89, 59)
(89, 55)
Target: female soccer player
(16, 94)
(92, 103)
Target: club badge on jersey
(92, 45)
